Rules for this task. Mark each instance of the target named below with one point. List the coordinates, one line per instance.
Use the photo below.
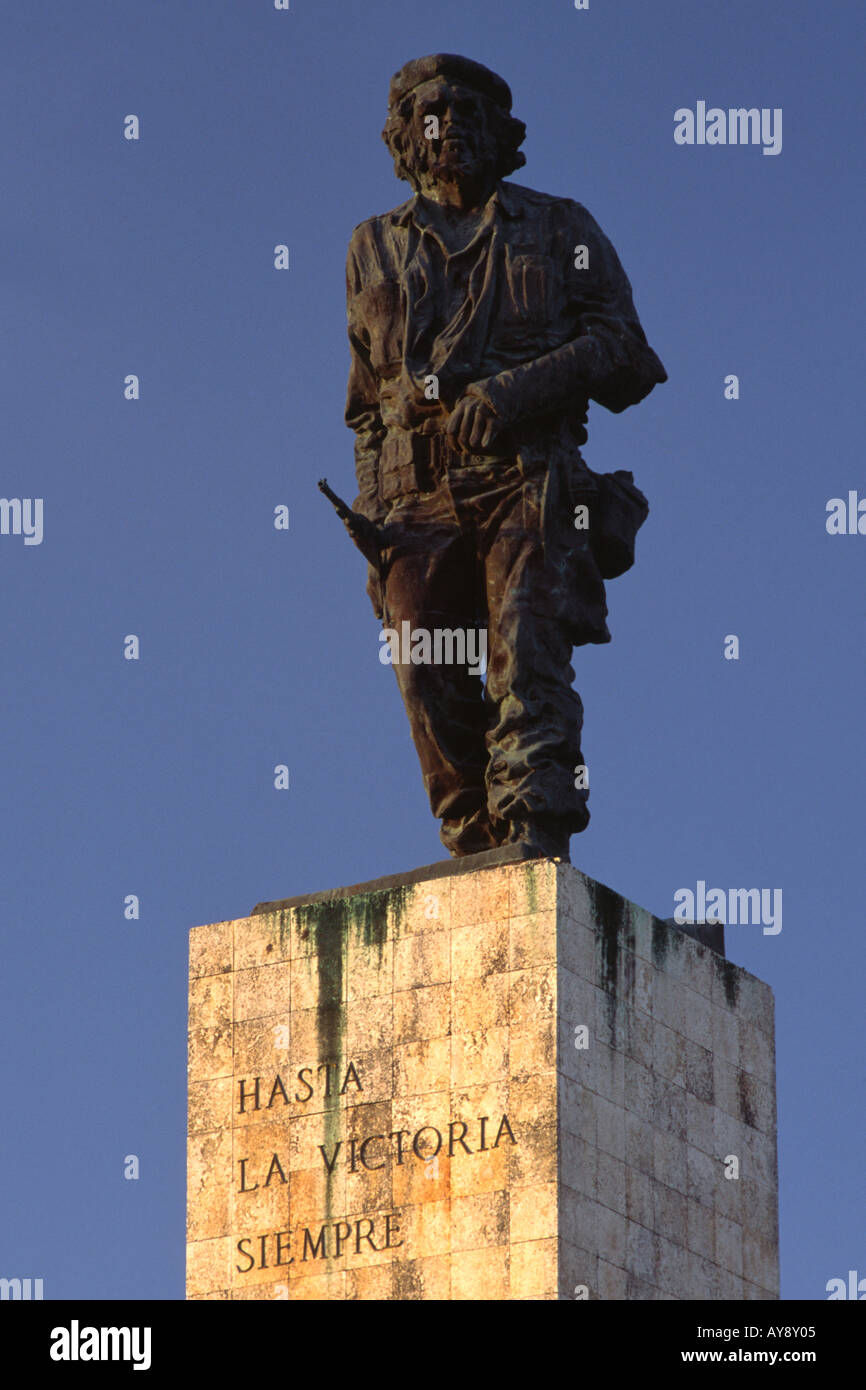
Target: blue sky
(259, 647)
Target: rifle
(362, 531)
(368, 539)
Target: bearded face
(448, 137)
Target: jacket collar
(503, 200)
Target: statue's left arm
(609, 361)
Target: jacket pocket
(378, 309)
(527, 285)
(397, 471)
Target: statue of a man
(483, 318)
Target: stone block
(490, 1080)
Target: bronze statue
(483, 318)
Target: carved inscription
(331, 1241)
(308, 1081)
(334, 1239)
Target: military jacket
(535, 314)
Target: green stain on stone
(284, 928)
(661, 941)
(324, 925)
(611, 922)
(532, 888)
(371, 925)
(747, 1113)
(615, 934)
(329, 927)
(731, 982)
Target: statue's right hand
(473, 425)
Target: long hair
(507, 132)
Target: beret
(456, 69)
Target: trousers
(489, 549)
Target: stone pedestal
(483, 1080)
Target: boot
(543, 837)
(468, 835)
